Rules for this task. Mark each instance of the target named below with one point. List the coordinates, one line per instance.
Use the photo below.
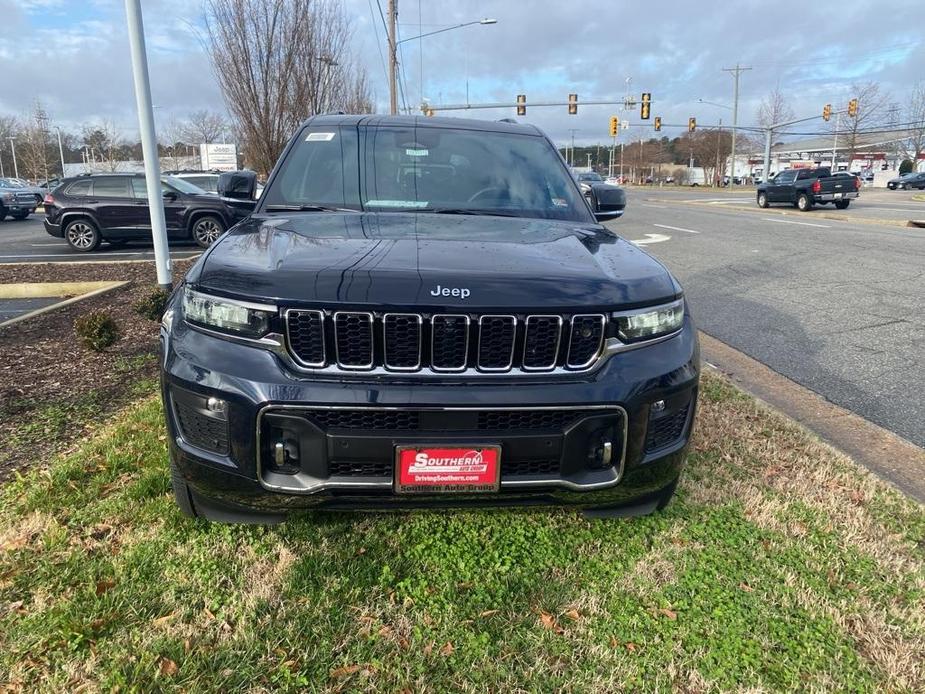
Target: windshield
(426, 169)
(6, 183)
(183, 186)
(594, 177)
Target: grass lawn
(781, 565)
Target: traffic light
(644, 106)
(658, 123)
(572, 104)
(691, 124)
(614, 126)
(826, 111)
(853, 107)
(521, 104)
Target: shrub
(905, 167)
(96, 330)
(152, 304)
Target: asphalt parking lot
(833, 305)
(26, 241)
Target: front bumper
(266, 403)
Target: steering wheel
(485, 191)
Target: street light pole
(736, 71)
(60, 151)
(13, 149)
(136, 36)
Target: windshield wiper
(304, 208)
(469, 210)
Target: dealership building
(878, 152)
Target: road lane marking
(803, 224)
(665, 226)
(652, 238)
(657, 207)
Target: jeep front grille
(444, 343)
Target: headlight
(227, 315)
(650, 323)
(8, 197)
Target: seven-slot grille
(444, 343)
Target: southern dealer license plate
(442, 469)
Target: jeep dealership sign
(219, 157)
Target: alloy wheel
(81, 235)
(207, 231)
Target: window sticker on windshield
(560, 202)
(319, 137)
(417, 152)
(397, 203)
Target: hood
(427, 260)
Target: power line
(372, 15)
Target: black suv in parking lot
(425, 312)
(114, 207)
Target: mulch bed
(43, 364)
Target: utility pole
(571, 157)
(13, 149)
(717, 178)
(136, 37)
(835, 144)
(589, 161)
(393, 57)
(735, 71)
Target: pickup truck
(804, 188)
(423, 312)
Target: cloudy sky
(74, 56)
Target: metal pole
(621, 161)
(767, 155)
(136, 37)
(13, 148)
(736, 71)
(60, 151)
(835, 144)
(589, 161)
(393, 58)
(719, 139)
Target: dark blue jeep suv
(425, 312)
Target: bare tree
(774, 109)
(203, 127)
(104, 142)
(913, 146)
(34, 144)
(278, 62)
(8, 128)
(872, 111)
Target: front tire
(804, 203)
(763, 201)
(207, 229)
(842, 204)
(82, 235)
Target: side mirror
(239, 185)
(169, 195)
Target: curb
(45, 290)
(67, 302)
(884, 453)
